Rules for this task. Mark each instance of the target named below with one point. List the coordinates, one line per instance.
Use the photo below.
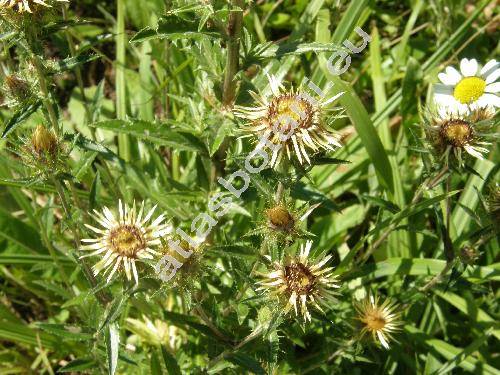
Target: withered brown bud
(280, 218)
(468, 255)
(17, 88)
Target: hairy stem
(40, 71)
(234, 26)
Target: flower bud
(280, 218)
(44, 142)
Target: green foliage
(138, 96)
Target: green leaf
(448, 351)
(112, 347)
(80, 364)
(295, 48)
(30, 259)
(19, 116)
(65, 332)
(170, 362)
(155, 366)
(247, 362)
(71, 63)
(19, 233)
(156, 133)
(365, 130)
(469, 308)
(418, 267)
(173, 27)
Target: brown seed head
(456, 132)
(17, 87)
(127, 240)
(299, 279)
(288, 111)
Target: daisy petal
(493, 76)
(448, 79)
(469, 68)
(490, 67)
(452, 76)
(489, 100)
(493, 87)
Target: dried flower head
(299, 283)
(25, 6)
(292, 120)
(124, 240)
(451, 134)
(17, 89)
(379, 320)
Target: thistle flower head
(452, 134)
(293, 121)
(378, 319)
(125, 239)
(299, 283)
(25, 6)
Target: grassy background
(148, 107)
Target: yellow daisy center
(469, 89)
(299, 279)
(288, 111)
(456, 132)
(127, 240)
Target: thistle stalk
(40, 71)
(234, 26)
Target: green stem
(121, 102)
(45, 93)
(234, 26)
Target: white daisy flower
(471, 88)
(293, 119)
(299, 282)
(23, 6)
(125, 239)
